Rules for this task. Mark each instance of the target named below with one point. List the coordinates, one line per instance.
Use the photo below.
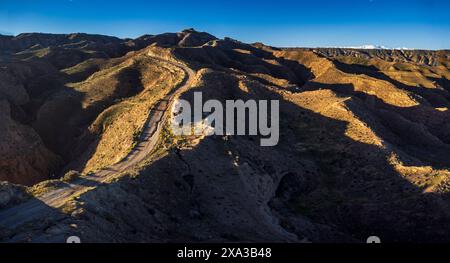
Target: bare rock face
(364, 141)
(25, 159)
(42, 118)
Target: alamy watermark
(241, 118)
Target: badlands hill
(364, 145)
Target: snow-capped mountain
(370, 46)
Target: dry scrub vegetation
(120, 125)
(364, 140)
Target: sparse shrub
(71, 175)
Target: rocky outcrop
(192, 38)
(363, 146)
(11, 194)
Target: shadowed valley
(364, 142)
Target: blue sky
(413, 23)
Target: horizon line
(355, 47)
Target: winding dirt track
(39, 207)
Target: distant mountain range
(371, 46)
(7, 35)
(364, 142)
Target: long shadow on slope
(55, 109)
(33, 220)
(436, 97)
(200, 194)
(359, 191)
(442, 82)
(248, 59)
(355, 187)
(49, 106)
(74, 140)
(416, 130)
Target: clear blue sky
(414, 23)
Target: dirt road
(38, 208)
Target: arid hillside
(364, 142)
(77, 94)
